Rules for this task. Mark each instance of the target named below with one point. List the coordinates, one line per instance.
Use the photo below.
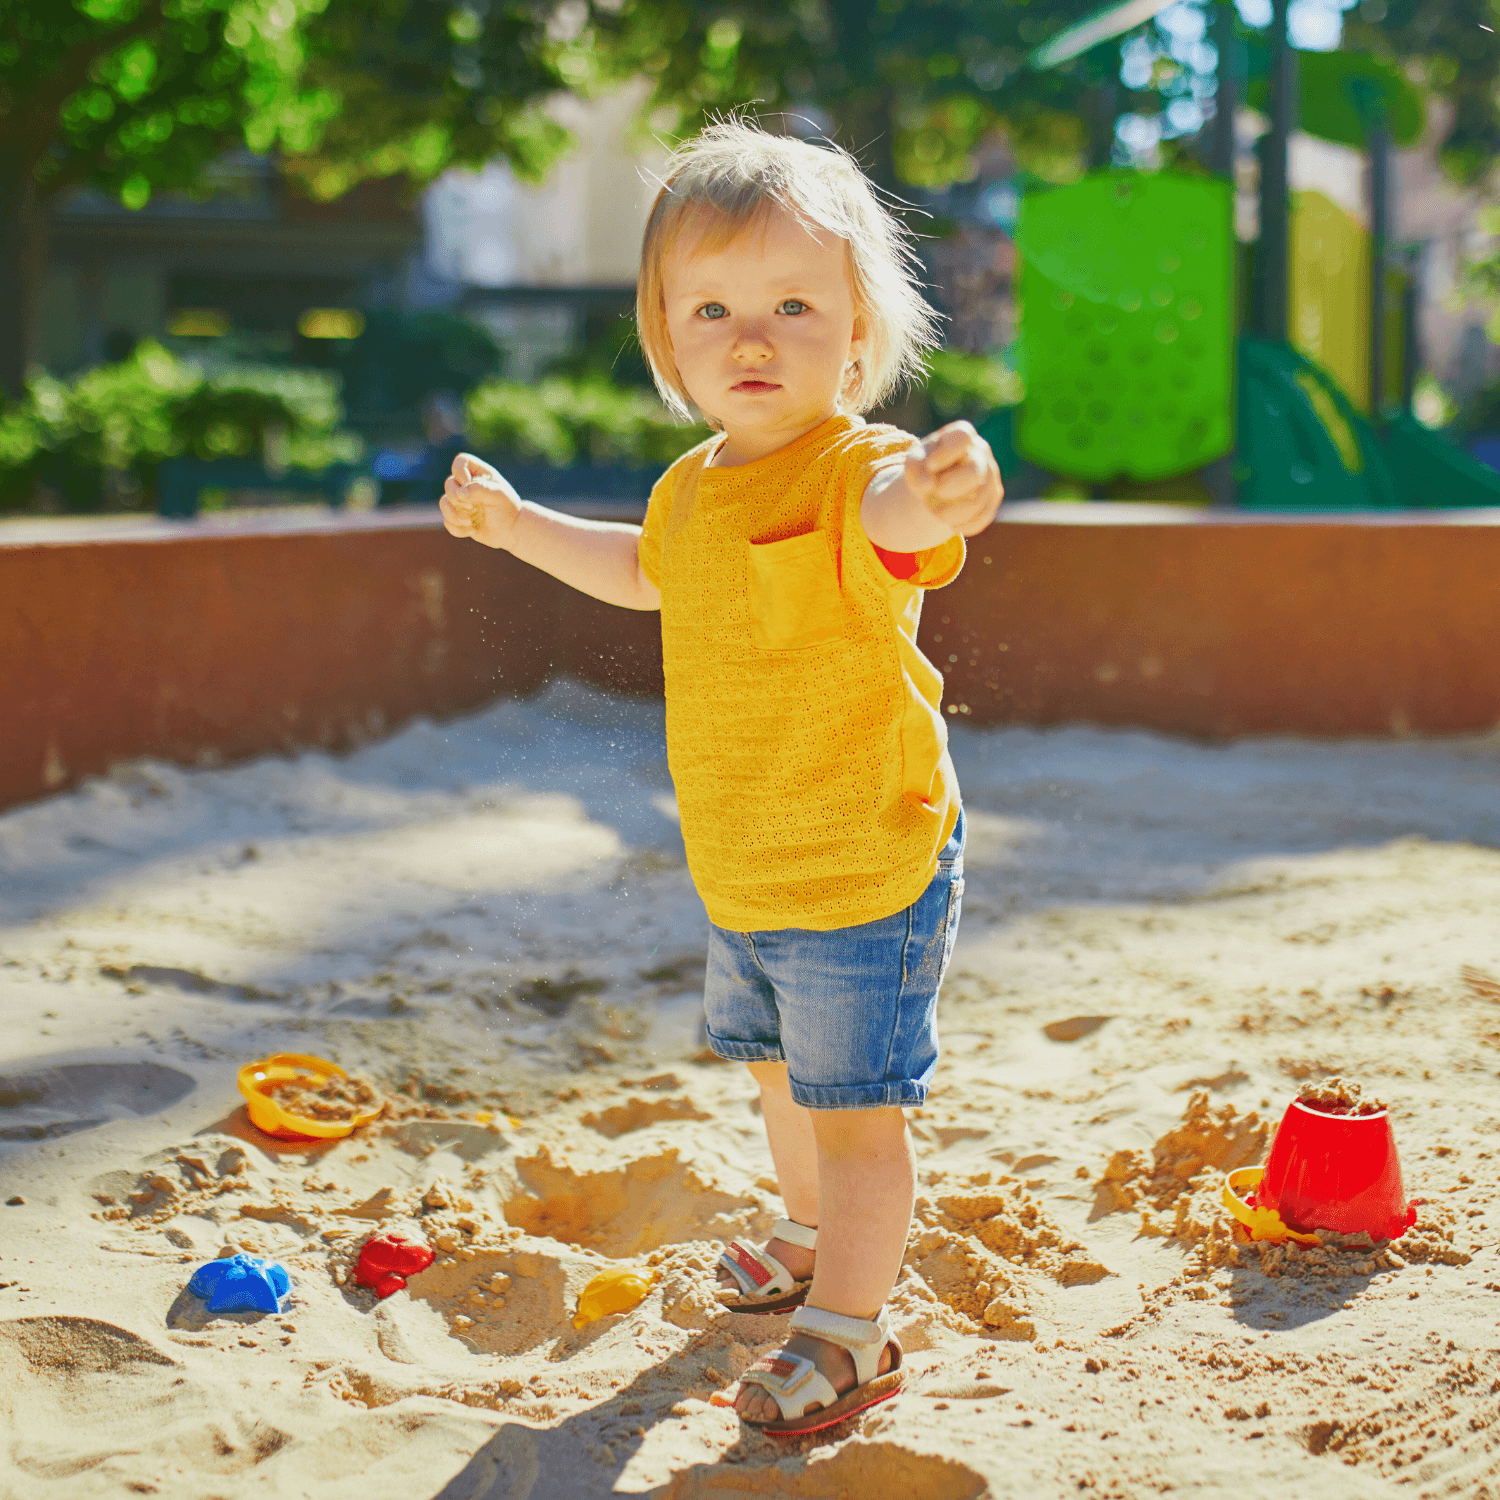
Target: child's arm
(949, 487)
(596, 557)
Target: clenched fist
(955, 476)
(478, 502)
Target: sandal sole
(861, 1398)
(787, 1302)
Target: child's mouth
(753, 387)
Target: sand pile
(1194, 1155)
(1338, 1096)
(979, 1251)
(491, 923)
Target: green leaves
(135, 96)
(561, 421)
(110, 12)
(418, 86)
(970, 386)
(130, 71)
(154, 406)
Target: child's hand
(478, 502)
(954, 474)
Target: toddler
(788, 556)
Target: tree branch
(36, 129)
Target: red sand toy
(386, 1260)
(1331, 1167)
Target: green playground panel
(1127, 325)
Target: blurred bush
(118, 422)
(583, 420)
(402, 357)
(593, 420)
(969, 386)
(100, 435)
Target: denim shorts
(852, 1012)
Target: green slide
(1304, 447)
(1432, 472)
(1302, 444)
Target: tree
(910, 85)
(136, 96)
(129, 96)
(424, 85)
(1451, 47)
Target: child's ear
(854, 377)
(859, 338)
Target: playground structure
(1144, 361)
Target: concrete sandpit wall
(214, 640)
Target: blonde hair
(732, 175)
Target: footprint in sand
(499, 1301)
(635, 1114)
(644, 1203)
(78, 1096)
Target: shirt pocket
(795, 601)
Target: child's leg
(794, 1149)
(867, 1186)
(856, 1021)
(868, 1181)
(790, 1129)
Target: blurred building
(548, 268)
(243, 262)
(252, 268)
(1438, 224)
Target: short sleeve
(939, 565)
(648, 549)
(933, 566)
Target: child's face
(763, 329)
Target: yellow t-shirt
(804, 729)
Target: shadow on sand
(586, 1455)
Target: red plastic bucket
(1338, 1172)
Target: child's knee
(861, 1132)
(771, 1076)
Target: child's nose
(753, 341)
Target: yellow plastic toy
(615, 1291)
(1261, 1223)
(267, 1115)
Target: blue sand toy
(242, 1283)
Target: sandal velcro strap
(792, 1233)
(805, 1396)
(865, 1339)
(758, 1274)
(781, 1374)
(784, 1375)
(835, 1328)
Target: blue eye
(792, 307)
(713, 310)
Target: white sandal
(794, 1381)
(766, 1286)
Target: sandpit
(491, 922)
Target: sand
(491, 921)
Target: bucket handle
(1262, 1223)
